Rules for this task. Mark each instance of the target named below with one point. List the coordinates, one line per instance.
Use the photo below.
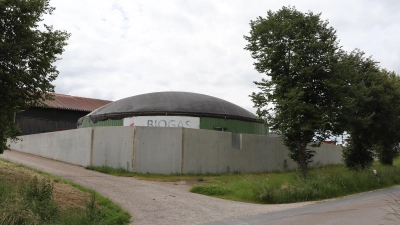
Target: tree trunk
(387, 154)
(301, 150)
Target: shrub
(39, 195)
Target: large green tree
(298, 53)
(371, 111)
(387, 136)
(28, 51)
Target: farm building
(175, 109)
(61, 114)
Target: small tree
(298, 51)
(27, 55)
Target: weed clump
(39, 197)
(211, 190)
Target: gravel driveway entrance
(149, 202)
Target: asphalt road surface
(172, 203)
(363, 209)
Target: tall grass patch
(211, 190)
(28, 198)
(32, 203)
(321, 183)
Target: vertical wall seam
(91, 146)
(133, 149)
(182, 150)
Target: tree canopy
(315, 90)
(371, 111)
(298, 51)
(28, 51)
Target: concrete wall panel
(261, 151)
(327, 154)
(213, 152)
(158, 150)
(113, 147)
(71, 146)
(226, 153)
(200, 150)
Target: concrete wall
(158, 150)
(113, 147)
(327, 154)
(213, 152)
(71, 146)
(169, 150)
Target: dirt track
(149, 202)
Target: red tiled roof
(75, 103)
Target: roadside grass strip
(280, 187)
(27, 196)
(289, 187)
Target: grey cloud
(146, 46)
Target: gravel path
(149, 202)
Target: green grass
(281, 187)
(321, 183)
(150, 176)
(113, 171)
(212, 190)
(30, 202)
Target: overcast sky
(119, 49)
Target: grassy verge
(29, 196)
(281, 187)
(322, 183)
(150, 176)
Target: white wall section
(169, 150)
(113, 146)
(71, 146)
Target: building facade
(60, 114)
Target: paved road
(369, 208)
(171, 203)
(149, 202)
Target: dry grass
(65, 196)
